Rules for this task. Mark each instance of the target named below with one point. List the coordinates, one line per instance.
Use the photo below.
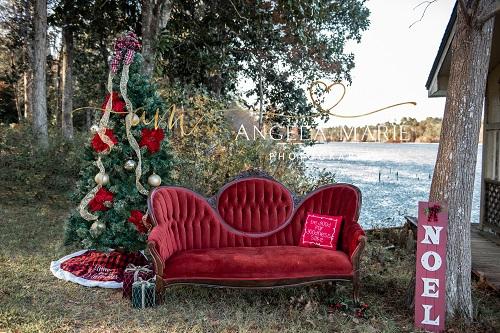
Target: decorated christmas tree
(127, 155)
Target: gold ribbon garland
(82, 208)
(103, 123)
(128, 124)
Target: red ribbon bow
(125, 48)
(433, 211)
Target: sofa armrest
(161, 245)
(354, 240)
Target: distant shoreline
(387, 143)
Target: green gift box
(144, 293)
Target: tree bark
(39, 104)
(28, 60)
(155, 16)
(453, 180)
(28, 94)
(147, 13)
(261, 97)
(67, 84)
(17, 100)
(88, 119)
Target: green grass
(32, 214)
(32, 300)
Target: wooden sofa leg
(331, 288)
(355, 288)
(356, 260)
(160, 290)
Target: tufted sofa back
(248, 212)
(254, 207)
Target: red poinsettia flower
(98, 145)
(102, 200)
(136, 218)
(118, 104)
(152, 138)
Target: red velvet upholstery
(257, 263)
(255, 205)
(252, 234)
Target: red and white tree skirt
(92, 268)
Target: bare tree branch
(463, 6)
(427, 5)
(237, 12)
(466, 10)
(475, 7)
(492, 12)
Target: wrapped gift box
(132, 274)
(144, 293)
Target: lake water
(405, 176)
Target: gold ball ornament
(102, 178)
(97, 228)
(129, 165)
(154, 180)
(134, 119)
(94, 129)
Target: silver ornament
(102, 178)
(94, 129)
(134, 119)
(97, 228)
(154, 180)
(129, 165)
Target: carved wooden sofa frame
(174, 208)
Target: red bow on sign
(432, 213)
(125, 48)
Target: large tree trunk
(261, 97)
(28, 60)
(17, 100)
(67, 84)
(147, 17)
(453, 180)
(88, 119)
(17, 90)
(39, 104)
(28, 94)
(155, 15)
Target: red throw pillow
(321, 231)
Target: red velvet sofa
(248, 236)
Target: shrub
(33, 173)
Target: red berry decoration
(151, 138)
(98, 145)
(118, 104)
(136, 218)
(102, 200)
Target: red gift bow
(137, 270)
(128, 44)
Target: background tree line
(424, 131)
(54, 54)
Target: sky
(393, 62)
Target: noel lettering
(431, 267)
(431, 261)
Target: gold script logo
(317, 90)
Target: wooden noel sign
(430, 297)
